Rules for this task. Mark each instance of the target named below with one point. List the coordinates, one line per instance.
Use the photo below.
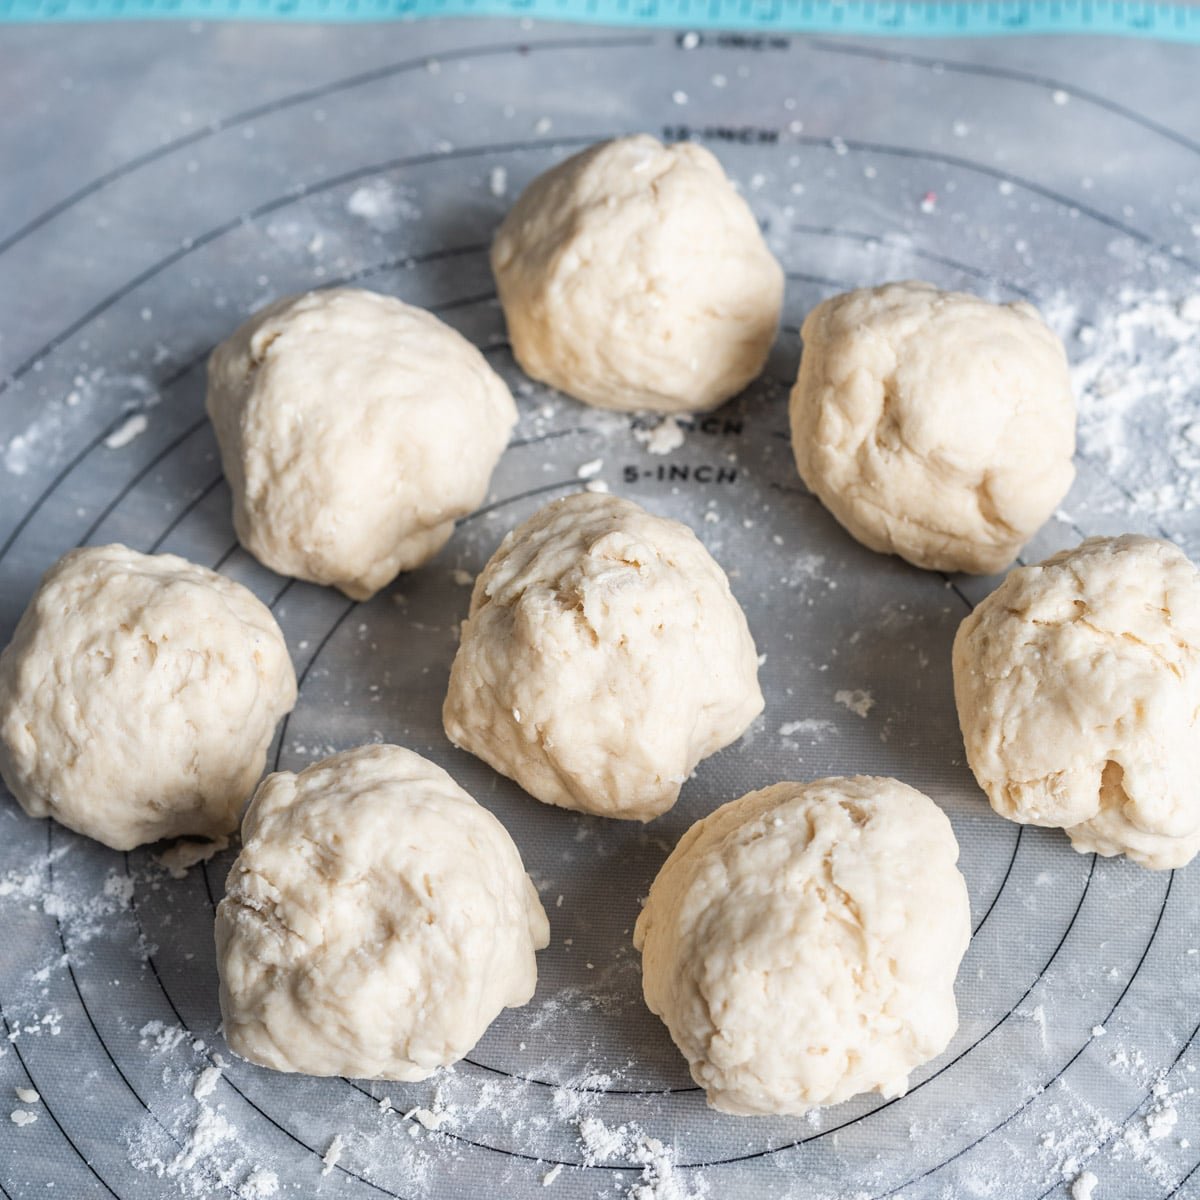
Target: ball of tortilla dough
(354, 430)
(633, 276)
(934, 425)
(375, 923)
(1078, 689)
(603, 657)
(801, 943)
(138, 697)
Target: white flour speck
(206, 1082)
(381, 205)
(21, 1117)
(810, 725)
(132, 427)
(260, 1184)
(209, 1131)
(857, 700)
(159, 1038)
(1161, 1120)
(1135, 368)
(427, 1118)
(332, 1154)
(666, 436)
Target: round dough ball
(934, 425)
(633, 276)
(138, 697)
(801, 943)
(354, 429)
(375, 923)
(603, 657)
(1078, 689)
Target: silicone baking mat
(161, 180)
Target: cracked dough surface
(1078, 690)
(375, 923)
(603, 657)
(138, 697)
(354, 430)
(801, 943)
(633, 276)
(934, 425)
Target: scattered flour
(22, 1117)
(498, 181)
(132, 427)
(260, 1184)
(333, 1154)
(381, 205)
(160, 1038)
(1083, 1187)
(27, 1095)
(1136, 373)
(815, 728)
(600, 1143)
(857, 700)
(664, 437)
(659, 1179)
(1163, 1115)
(428, 1118)
(206, 1082)
(209, 1131)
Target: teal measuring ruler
(1171, 22)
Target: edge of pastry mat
(897, 18)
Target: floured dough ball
(801, 943)
(138, 697)
(354, 429)
(633, 276)
(375, 923)
(934, 425)
(603, 657)
(1078, 690)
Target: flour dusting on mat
(659, 1178)
(1135, 367)
(382, 205)
(129, 429)
(857, 700)
(662, 438)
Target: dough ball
(603, 657)
(1078, 690)
(354, 430)
(934, 425)
(633, 276)
(375, 923)
(138, 697)
(801, 943)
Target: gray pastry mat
(161, 181)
